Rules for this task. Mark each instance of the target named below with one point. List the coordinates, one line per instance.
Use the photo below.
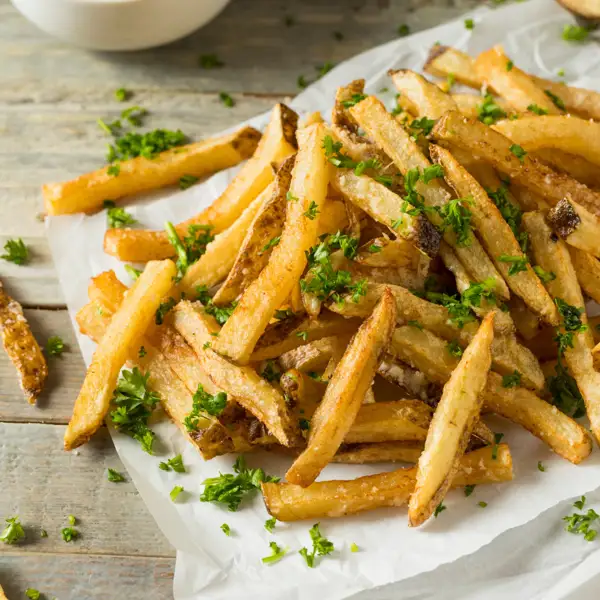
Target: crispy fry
(383, 252)
(451, 426)
(587, 268)
(496, 235)
(21, 347)
(360, 454)
(514, 85)
(385, 206)
(577, 226)
(412, 382)
(289, 502)
(445, 60)
(579, 101)
(527, 324)
(127, 327)
(572, 165)
(469, 105)
(555, 257)
(345, 392)
(252, 392)
(455, 130)
(87, 192)
(277, 143)
(219, 258)
(406, 154)
(270, 289)
(315, 355)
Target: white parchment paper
(213, 566)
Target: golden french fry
(277, 143)
(288, 502)
(87, 192)
(270, 289)
(470, 135)
(451, 426)
(262, 235)
(514, 85)
(250, 390)
(470, 105)
(554, 257)
(406, 154)
(360, 454)
(577, 226)
(345, 392)
(587, 268)
(126, 328)
(315, 355)
(579, 101)
(572, 165)
(496, 235)
(527, 324)
(445, 60)
(21, 347)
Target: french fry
(470, 104)
(411, 382)
(508, 355)
(383, 205)
(572, 165)
(277, 143)
(577, 226)
(445, 60)
(496, 235)
(455, 130)
(126, 328)
(527, 324)
(250, 390)
(406, 154)
(383, 252)
(87, 192)
(554, 257)
(566, 133)
(303, 393)
(215, 264)
(21, 347)
(270, 289)
(425, 96)
(324, 499)
(579, 101)
(587, 268)
(451, 426)
(345, 392)
(315, 355)
(514, 85)
(360, 454)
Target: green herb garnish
(204, 403)
(55, 346)
(321, 546)
(114, 476)
(16, 252)
(175, 464)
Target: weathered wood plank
(261, 54)
(64, 379)
(73, 577)
(43, 484)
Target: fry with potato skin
(324, 499)
(87, 192)
(577, 226)
(495, 235)
(270, 289)
(451, 425)
(21, 347)
(340, 405)
(128, 325)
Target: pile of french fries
(376, 370)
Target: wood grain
(89, 577)
(45, 485)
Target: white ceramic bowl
(119, 24)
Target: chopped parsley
(454, 349)
(459, 312)
(16, 252)
(511, 380)
(69, 534)
(355, 99)
(163, 309)
(482, 504)
(457, 216)
(509, 65)
(416, 324)
(226, 99)
(431, 172)
(114, 476)
(538, 110)
(564, 391)
(114, 170)
(571, 316)
(580, 523)
(354, 547)
(175, 492)
(438, 510)
(557, 101)
(497, 439)
(175, 464)
(226, 529)
(133, 115)
(32, 594)
(301, 82)
(545, 276)
(450, 81)
(276, 555)
(469, 24)
(230, 489)
(280, 315)
(204, 403)
(13, 532)
(142, 352)
(489, 111)
(303, 335)
(476, 292)
(43, 533)
(403, 30)
(55, 346)
(323, 69)
(312, 211)
(271, 372)
(422, 126)
(134, 403)
(271, 243)
(187, 181)
(72, 520)
(148, 145)
(540, 466)
(518, 152)
(270, 524)
(469, 490)
(290, 197)
(304, 424)
(220, 313)
(122, 94)
(517, 263)
(575, 33)
(117, 217)
(132, 272)
(321, 546)
(210, 61)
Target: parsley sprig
(55, 346)
(192, 246)
(489, 111)
(16, 252)
(321, 546)
(220, 313)
(116, 216)
(277, 553)
(173, 464)
(204, 403)
(580, 523)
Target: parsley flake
(422, 126)
(16, 252)
(55, 346)
(518, 152)
(438, 510)
(545, 276)
(132, 272)
(114, 170)
(114, 476)
(540, 466)
(163, 309)
(511, 380)
(13, 532)
(270, 524)
(210, 61)
(580, 523)
(175, 492)
(454, 349)
(555, 99)
(403, 30)
(517, 263)
(469, 24)
(414, 323)
(354, 547)
(32, 594)
(122, 94)
(204, 403)
(175, 464)
(187, 181)
(321, 546)
(469, 490)
(142, 352)
(220, 313)
(226, 529)
(312, 211)
(457, 217)
(226, 99)
(482, 504)
(355, 99)
(575, 33)
(117, 217)
(271, 243)
(69, 534)
(489, 111)
(276, 555)
(538, 110)
(509, 65)
(497, 439)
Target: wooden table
(50, 97)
